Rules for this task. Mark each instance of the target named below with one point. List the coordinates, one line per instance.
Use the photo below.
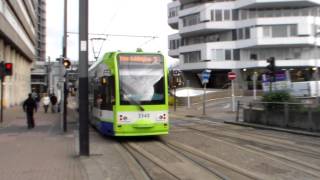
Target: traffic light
(66, 63)
(8, 69)
(272, 66)
(272, 70)
(176, 79)
(5, 69)
(103, 80)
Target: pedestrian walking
(46, 102)
(29, 106)
(53, 100)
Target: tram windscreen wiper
(133, 101)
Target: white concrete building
(239, 35)
(18, 35)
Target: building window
(191, 20)
(213, 38)
(227, 15)
(253, 56)
(218, 15)
(192, 57)
(228, 54)
(293, 30)
(267, 31)
(244, 14)
(236, 54)
(174, 44)
(234, 35)
(219, 55)
(279, 31)
(240, 32)
(235, 15)
(212, 15)
(252, 14)
(247, 33)
(173, 12)
(305, 12)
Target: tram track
(276, 135)
(137, 162)
(228, 168)
(294, 163)
(178, 170)
(260, 138)
(286, 137)
(279, 144)
(280, 138)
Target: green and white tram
(129, 94)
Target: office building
(18, 42)
(239, 35)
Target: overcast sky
(139, 17)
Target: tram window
(104, 94)
(158, 96)
(97, 98)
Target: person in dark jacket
(30, 106)
(53, 100)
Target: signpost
(254, 78)
(5, 70)
(176, 82)
(205, 76)
(232, 76)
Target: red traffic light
(8, 69)
(8, 65)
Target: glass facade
(191, 20)
(192, 57)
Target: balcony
(303, 22)
(188, 1)
(275, 3)
(246, 64)
(173, 17)
(174, 53)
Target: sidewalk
(42, 153)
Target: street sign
(205, 76)
(232, 76)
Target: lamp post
(315, 59)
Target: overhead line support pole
(83, 79)
(64, 54)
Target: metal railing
(303, 116)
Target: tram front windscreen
(141, 79)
